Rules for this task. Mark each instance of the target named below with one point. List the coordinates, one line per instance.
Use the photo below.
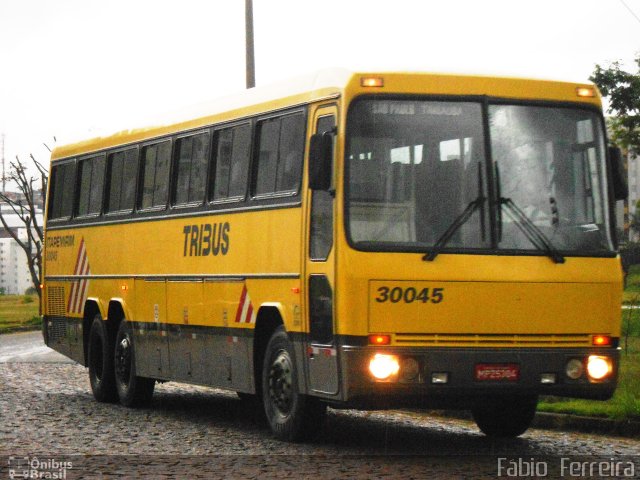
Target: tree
(24, 206)
(623, 90)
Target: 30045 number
(409, 295)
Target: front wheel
(133, 391)
(505, 416)
(291, 416)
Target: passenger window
(122, 169)
(231, 163)
(155, 175)
(191, 165)
(280, 154)
(91, 178)
(62, 191)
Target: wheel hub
(123, 359)
(281, 383)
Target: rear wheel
(291, 416)
(100, 361)
(505, 416)
(133, 391)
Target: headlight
(383, 367)
(574, 369)
(598, 367)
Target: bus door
(321, 346)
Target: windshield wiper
(530, 230)
(460, 220)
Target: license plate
(497, 372)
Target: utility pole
(248, 20)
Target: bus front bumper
(458, 377)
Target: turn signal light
(379, 339)
(601, 340)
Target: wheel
(100, 353)
(133, 391)
(291, 416)
(505, 416)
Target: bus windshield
(420, 176)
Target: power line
(630, 11)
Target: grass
(631, 294)
(18, 312)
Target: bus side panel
(152, 347)
(213, 352)
(184, 307)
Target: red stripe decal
(243, 297)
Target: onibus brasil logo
(40, 468)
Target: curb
(603, 426)
(26, 328)
(565, 422)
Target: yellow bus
(353, 240)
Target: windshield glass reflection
(418, 178)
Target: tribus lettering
(206, 239)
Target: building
(15, 278)
(14, 271)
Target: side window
(321, 232)
(280, 153)
(233, 146)
(291, 153)
(122, 168)
(268, 137)
(155, 175)
(62, 190)
(91, 181)
(191, 167)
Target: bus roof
(324, 84)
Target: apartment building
(15, 278)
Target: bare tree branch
(24, 207)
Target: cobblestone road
(47, 412)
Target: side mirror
(320, 161)
(618, 177)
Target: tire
(291, 416)
(506, 417)
(133, 391)
(100, 361)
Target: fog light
(382, 367)
(409, 369)
(574, 369)
(548, 378)
(439, 377)
(599, 367)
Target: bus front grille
(492, 340)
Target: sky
(74, 69)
